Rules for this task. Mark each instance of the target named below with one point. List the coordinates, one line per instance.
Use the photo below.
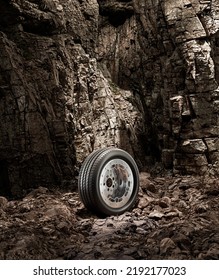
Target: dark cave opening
(4, 179)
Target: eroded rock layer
(166, 52)
(78, 75)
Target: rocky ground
(175, 218)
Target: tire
(108, 181)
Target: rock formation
(78, 75)
(166, 52)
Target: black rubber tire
(89, 181)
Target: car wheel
(109, 181)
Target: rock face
(166, 52)
(78, 75)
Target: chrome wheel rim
(116, 183)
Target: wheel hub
(116, 183)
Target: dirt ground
(174, 218)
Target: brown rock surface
(53, 224)
(79, 75)
(56, 105)
(167, 54)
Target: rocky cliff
(166, 53)
(82, 74)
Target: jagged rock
(143, 202)
(178, 108)
(193, 146)
(78, 76)
(156, 215)
(146, 184)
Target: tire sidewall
(115, 154)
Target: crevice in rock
(4, 179)
(150, 140)
(190, 107)
(43, 29)
(200, 16)
(207, 153)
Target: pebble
(140, 223)
(156, 215)
(166, 245)
(173, 214)
(143, 203)
(165, 202)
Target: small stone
(137, 212)
(183, 204)
(213, 253)
(59, 8)
(139, 223)
(48, 230)
(100, 222)
(62, 226)
(175, 184)
(151, 188)
(201, 208)
(129, 251)
(141, 254)
(143, 202)
(165, 202)
(173, 214)
(146, 184)
(166, 245)
(182, 241)
(156, 215)
(141, 231)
